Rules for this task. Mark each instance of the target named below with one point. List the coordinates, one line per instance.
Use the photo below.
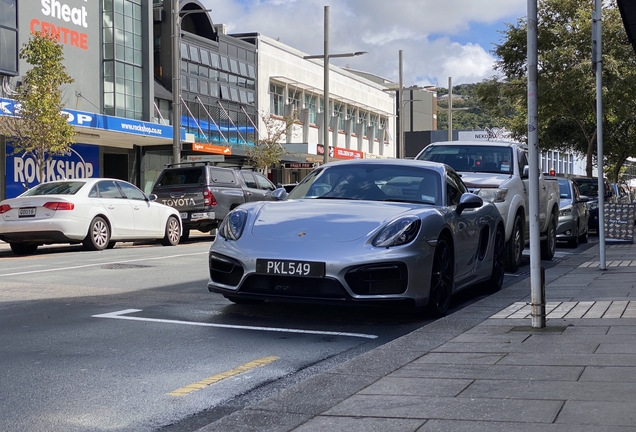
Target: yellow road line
(219, 377)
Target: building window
(310, 105)
(123, 50)
(375, 125)
(294, 99)
(276, 100)
(338, 109)
(8, 37)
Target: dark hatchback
(588, 186)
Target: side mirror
(583, 198)
(525, 173)
(152, 197)
(469, 201)
(279, 194)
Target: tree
(566, 79)
(38, 127)
(268, 151)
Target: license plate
(290, 268)
(184, 215)
(26, 212)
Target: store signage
(102, 122)
(205, 158)
(211, 148)
(58, 16)
(344, 153)
(619, 221)
(23, 171)
(298, 165)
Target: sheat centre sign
(64, 22)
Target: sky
(438, 38)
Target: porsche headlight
(233, 225)
(398, 232)
(493, 195)
(565, 211)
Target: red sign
(344, 153)
(211, 148)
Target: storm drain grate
(124, 266)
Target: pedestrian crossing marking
(568, 310)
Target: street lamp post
(176, 77)
(326, 56)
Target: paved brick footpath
(484, 368)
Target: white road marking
(100, 264)
(120, 315)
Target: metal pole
(325, 138)
(401, 108)
(536, 281)
(176, 84)
(450, 108)
(597, 23)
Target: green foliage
(567, 82)
(39, 128)
(468, 111)
(268, 151)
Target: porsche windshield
(475, 158)
(374, 182)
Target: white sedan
(97, 212)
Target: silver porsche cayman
(362, 231)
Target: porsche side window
(452, 194)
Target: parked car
(203, 194)
(97, 212)
(573, 214)
(362, 231)
(588, 186)
(498, 171)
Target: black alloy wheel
(515, 246)
(441, 287)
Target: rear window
(222, 176)
(181, 176)
(57, 188)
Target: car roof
(436, 166)
(479, 142)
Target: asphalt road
(129, 339)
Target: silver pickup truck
(498, 172)
(204, 194)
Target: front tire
(495, 283)
(583, 237)
(23, 248)
(441, 287)
(515, 246)
(173, 232)
(574, 241)
(548, 246)
(98, 236)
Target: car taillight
(4, 208)
(208, 197)
(54, 205)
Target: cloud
(438, 38)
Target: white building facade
(362, 120)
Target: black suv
(204, 193)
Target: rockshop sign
(23, 172)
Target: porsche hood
(324, 220)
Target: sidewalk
(484, 368)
